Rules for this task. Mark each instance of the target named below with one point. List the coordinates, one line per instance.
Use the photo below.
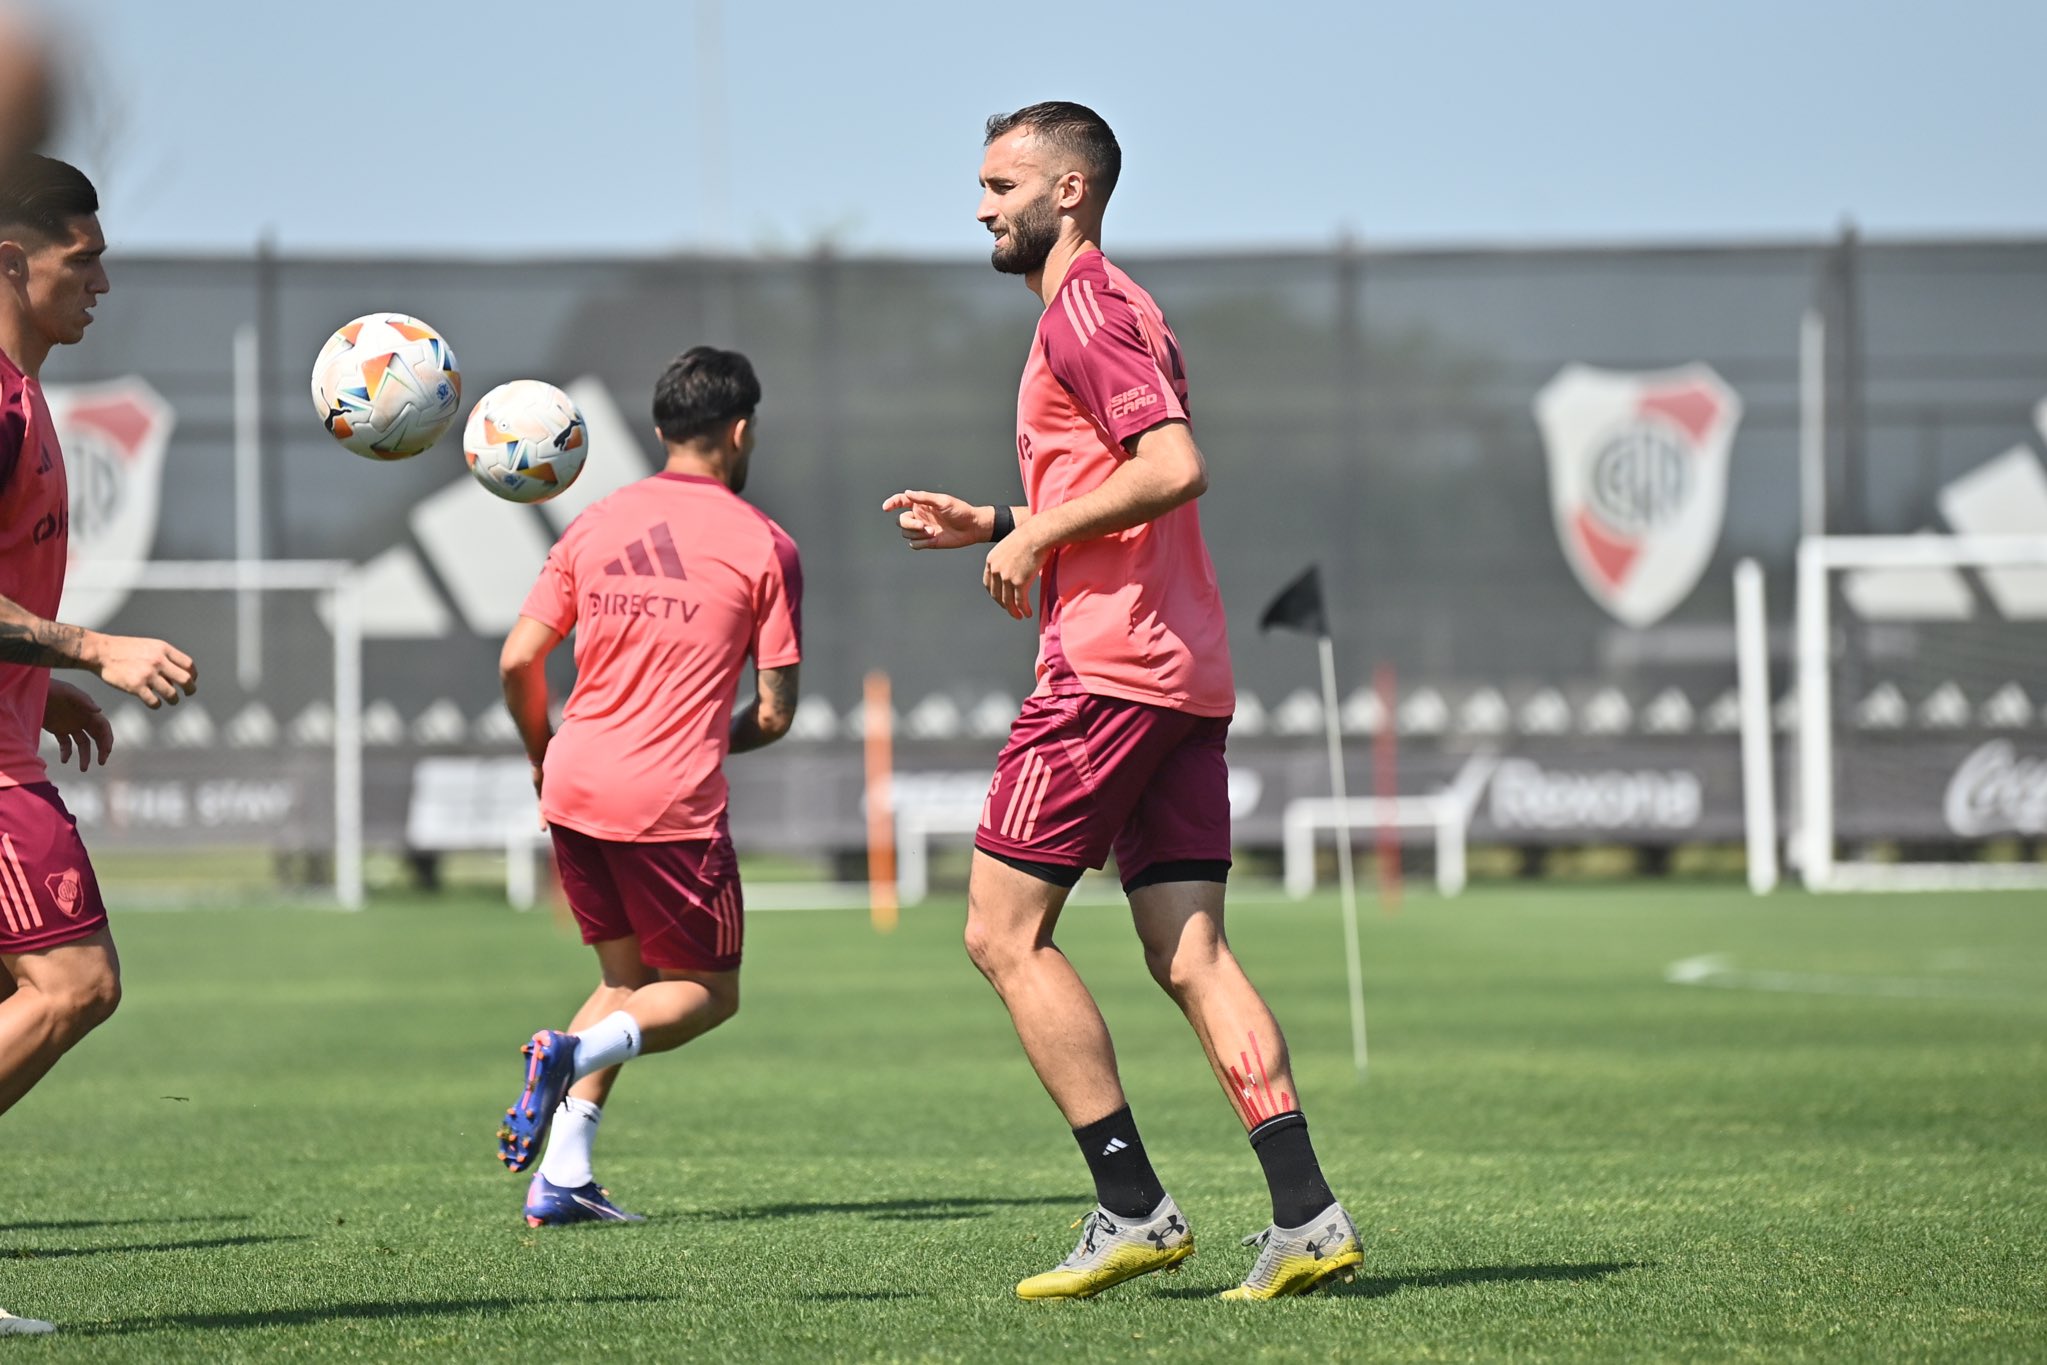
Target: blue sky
(521, 128)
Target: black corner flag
(1298, 606)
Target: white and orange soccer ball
(526, 441)
(387, 386)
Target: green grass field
(281, 1147)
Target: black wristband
(1005, 522)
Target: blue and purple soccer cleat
(549, 1204)
(550, 1071)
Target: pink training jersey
(35, 528)
(1136, 614)
(669, 584)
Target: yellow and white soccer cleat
(1298, 1260)
(1112, 1250)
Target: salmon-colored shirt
(35, 531)
(1136, 614)
(670, 584)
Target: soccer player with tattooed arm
(670, 585)
(61, 977)
(1120, 748)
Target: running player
(669, 584)
(1120, 748)
(62, 977)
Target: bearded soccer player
(670, 584)
(1120, 748)
(62, 977)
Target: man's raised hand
(939, 521)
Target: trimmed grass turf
(281, 1147)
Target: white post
(1758, 777)
(1297, 836)
(913, 868)
(1812, 423)
(248, 506)
(1346, 874)
(348, 783)
(1450, 823)
(1815, 733)
(522, 880)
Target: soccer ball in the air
(525, 441)
(387, 386)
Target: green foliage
(281, 1147)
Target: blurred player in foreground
(26, 93)
(63, 977)
(670, 584)
(1121, 746)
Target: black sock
(1298, 1190)
(1125, 1183)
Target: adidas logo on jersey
(638, 561)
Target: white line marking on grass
(1718, 970)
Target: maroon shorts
(48, 893)
(681, 898)
(1082, 776)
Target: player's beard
(1033, 232)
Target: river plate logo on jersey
(1638, 480)
(114, 437)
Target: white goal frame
(1818, 558)
(340, 583)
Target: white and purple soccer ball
(387, 386)
(526, 441)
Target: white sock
(613, 1039)
(567, 1162)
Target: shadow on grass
(55, 1224)
(1379, 1286)
(195, 1244)
(857, 1296)
(336, 1312)
(888, 1210)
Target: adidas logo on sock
(1115, 1145)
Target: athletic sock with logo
(1291, 1171)
(567, 1162)
(1125, 1183)
(613, 1039)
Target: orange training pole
(881, 824)
(1386, 786)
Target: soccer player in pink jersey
(1120, 748)
(670, 585)
(62, 977)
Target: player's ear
(1071, 189)
(741, 435)
(13, 260)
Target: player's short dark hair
(42, 195)
(1076, 129)
(703, 389)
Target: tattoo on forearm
(781, 688)
(27, 639)
(778, 688)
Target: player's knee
(990, 951)
(87, 1001)
(724, 1002)
(1181, 966)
